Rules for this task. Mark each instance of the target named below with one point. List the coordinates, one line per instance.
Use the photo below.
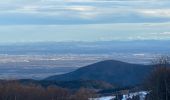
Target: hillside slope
(117, 72)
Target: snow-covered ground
(141, 94)
(104, 98)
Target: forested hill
(116, 72)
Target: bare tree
(83, 94)
(159, 80)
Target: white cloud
(162, 33)
(155, 12)
(101, 10)
(81, 8)
(165, 33)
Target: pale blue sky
(84, 20)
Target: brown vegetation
(15, 91)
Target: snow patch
(104, 98)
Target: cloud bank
(83, 11)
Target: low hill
(116, 72)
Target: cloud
(162, 33)
(84, 11)
(156, 12)
(81, 8)
(85, 32)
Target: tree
(83, 94)
(158, 82)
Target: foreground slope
(117, 72)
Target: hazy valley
(40, 60)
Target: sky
(84, 20)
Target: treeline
(74, 84)
(15, 91)
(158, 83)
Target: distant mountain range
(115, 72)
(97, 47)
